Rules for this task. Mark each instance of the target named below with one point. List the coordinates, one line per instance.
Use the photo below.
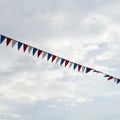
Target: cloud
(10, 116)
(86, 32)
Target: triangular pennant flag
(88, 69)
(115, 79)
(44, 54)
(8, 41)
(2, 38)
(110, 78)
(19, 45)
(49, 56)
(107, 76)
(96, 71)
(66, 62)
(13, 43)
(24, 47)
(39, 53)
(53, 57)
(83, 68)
(29, 49)
(34, 51)
(118, 80)
(70, 65)
(62, 61)
(79, 67)
(57, 60)
(75, 65)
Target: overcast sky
(83, 31)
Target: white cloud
(52, 106)
(86, 32)
(111, 94)
(83, 100)
(3, 107)
(10, 116)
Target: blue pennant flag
(107, 76)
(88, 70)
(34, 51)
(96, 71)
(2, 38)
(49, 56)
(19, 45)
(118, 80)
(75, 65)
(62, 61)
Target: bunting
(118, 80)
(39, 53)
(62, 61)
(106, 75)
(88, 69)
(24, 47)
(13, 43)
(2, 38)
(58, 59)
(44, 54)
(75, 65)
(8, 41)
(29, 49)
(34, 51)
(83, 69)
(53, 57)
(49, 56)
(96, 71)
(110, 78)
(66, 62)
(19, 45)
(79, 67)
(70, 65)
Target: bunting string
(53, 58)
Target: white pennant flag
(44, 54)
(83, 68)
(58, 59)
(115, 79)
(29, 49)
(13, 43)
(71, 63)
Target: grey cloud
(86, 32)
(40, 109)
(40, 18)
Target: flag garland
(38, 52)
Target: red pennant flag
(39, 53)
(53, 58)
(24, 47)
(79, 67)
(8, 41)
(110, 78)
(66, 62)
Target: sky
(83, 31)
